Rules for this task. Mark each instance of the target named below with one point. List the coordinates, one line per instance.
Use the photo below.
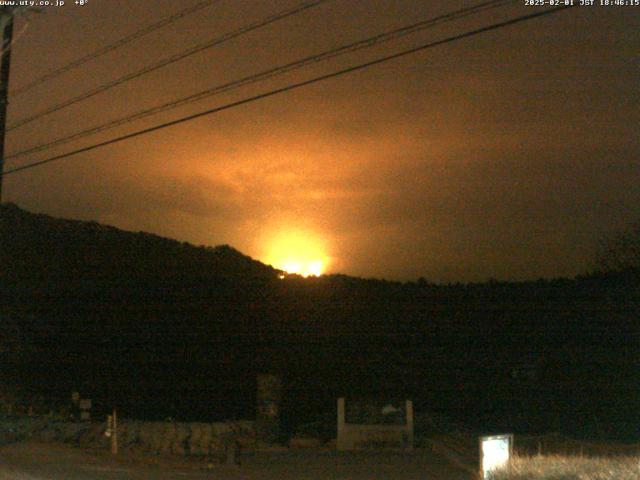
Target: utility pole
(6, 19)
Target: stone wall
(176, 438)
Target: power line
(169, 60)
(113, 46)
(270, 73)
(293, 86)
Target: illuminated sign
(494, 453)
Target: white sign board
(495, 452)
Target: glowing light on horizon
(308, 269)
(298, 253)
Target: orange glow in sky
(297, 252)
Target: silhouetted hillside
(164, 328)
(36, 245)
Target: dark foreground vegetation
(571, 468)
(162, 328)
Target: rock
(305, 442)
(93, 435)
(48, 435)
(128, 433)
(9, 433)
(168, 437)
(71, 432)
(200, 440)
(152, 436)
(180, 445)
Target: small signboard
(495, 452)
(374, 424)
(375, 412)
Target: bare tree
(620, 251)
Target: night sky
(505, 155)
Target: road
(33, 461)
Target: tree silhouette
(620, 251)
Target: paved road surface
(32, 461)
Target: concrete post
(340, 441)
(114, 433)
(409, 414)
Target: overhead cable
(167, 61)
(112, 46)
(293, 86)
(270, 73)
